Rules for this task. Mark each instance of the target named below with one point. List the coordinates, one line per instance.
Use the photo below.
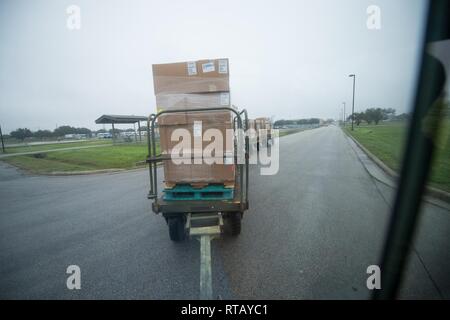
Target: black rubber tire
(234, 223)
(177, 231)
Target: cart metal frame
(177, 208)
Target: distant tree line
(296, 122)
(23, 133)
(375, 115)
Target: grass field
(285, 132)
(386, 141)
(124, 156)
(52, 146)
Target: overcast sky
(288, 59)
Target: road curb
(77, 173)
(90, 172)
(80, 173)
(431, 191)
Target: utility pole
(353, 105)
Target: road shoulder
(379, 171)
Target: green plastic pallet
(187, 192)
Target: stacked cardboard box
(252, 134)
(191, 77)
(263, 124)
(194, 85)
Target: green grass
(285, 132)
(386, 141)
(124, 156)
(52, 146)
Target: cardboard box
(198, 173)
(191, 77)
(263, 124)
(197, 123)
(251, 124)
(183, 101)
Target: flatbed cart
(203, 219)
(268, 141)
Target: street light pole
(345, 120)
(353, 105)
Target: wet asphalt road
(310, 233)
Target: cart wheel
(234, 223)
(177, 232)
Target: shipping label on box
(192, 68)
(197, 129)
(223, 66)
(224, 99)
(208, 67)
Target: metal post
(139, 128)
(155, 177)
(113, 132)
(1, 136)
(205, 268)
(353, 105)
(135, 136)
(150, 154)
